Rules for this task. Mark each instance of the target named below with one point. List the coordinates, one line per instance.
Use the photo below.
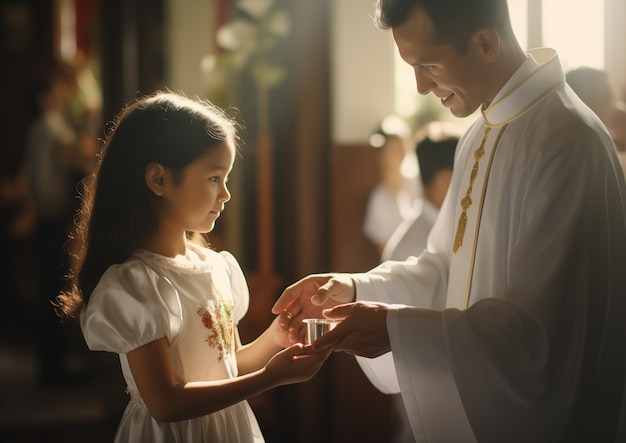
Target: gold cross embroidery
(466, 202)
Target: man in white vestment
(511, 325)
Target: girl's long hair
(117, 213)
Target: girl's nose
(224, 194)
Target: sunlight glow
(518, 11)
(575, 28)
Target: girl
(166, 304)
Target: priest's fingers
(300, 292)
(338, 334)
(285, 317)
(362, 332)
(339, 289)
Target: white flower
(207, 64)
(247, 41)
(236, 35)
(239, 37)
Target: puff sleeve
(130, 307)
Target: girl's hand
(297, 363)
(280, 335)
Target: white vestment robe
(519, 335)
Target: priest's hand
(362, 331)
(308, 297)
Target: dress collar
(540, 74)
(196, 260)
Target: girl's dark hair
(117, 214)
(455, 20)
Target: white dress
(527, 340)
(195, 303)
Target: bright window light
(407, 98)
(518, 11)
(575, 28)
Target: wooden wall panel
(354, 175)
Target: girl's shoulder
(134, 269)
(131, 305)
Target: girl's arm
(168, 400)
(255, 355)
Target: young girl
(166, 304)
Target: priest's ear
(157, 178)
(487, 41)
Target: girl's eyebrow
(217, 168)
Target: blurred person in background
(595, 88)
(435, 148)
(57, 156)
(393, 199)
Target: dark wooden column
(132, 51)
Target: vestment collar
(540, 74)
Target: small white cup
(316, 327)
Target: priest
(510, 326)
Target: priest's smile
(446, 99)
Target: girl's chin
(205, 228)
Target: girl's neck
(168, 247)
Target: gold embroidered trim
(479, 216)
(512, 117)
(520, 84)
(466, 202)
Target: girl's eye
(214, 179)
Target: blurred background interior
(310, 81)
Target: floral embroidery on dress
(217, 317)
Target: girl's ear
(155, 177)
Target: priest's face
(461, 81)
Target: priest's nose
(423, 81)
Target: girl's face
(195, 203)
